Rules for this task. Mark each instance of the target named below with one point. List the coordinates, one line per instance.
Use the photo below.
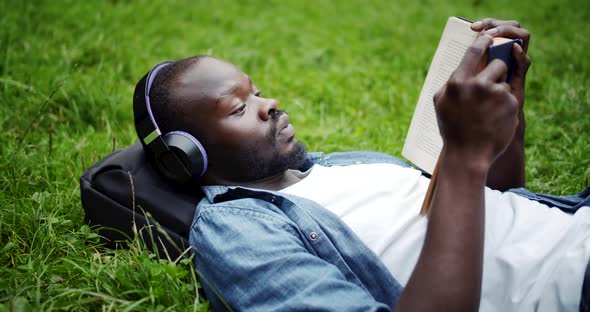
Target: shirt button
(313, 236)
(273, 200)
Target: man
(268, 238)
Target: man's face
(246, 136)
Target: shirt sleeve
(250, 261)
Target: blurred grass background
(348, 72)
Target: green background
(348, 72)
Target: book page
(423, 142)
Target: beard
(252, 166)
(247, 163)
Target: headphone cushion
(189, 150)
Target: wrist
(475, 165)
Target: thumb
(521, 67)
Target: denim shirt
(265, 251)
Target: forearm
(478, 117)
(448, 273)
(508, 171)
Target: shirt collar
(211, 191)
(220, 193)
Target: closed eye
(240, 110)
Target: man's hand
(476, 111)
(508, 171)
(510, 29)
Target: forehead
(211, 77)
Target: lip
(283, 122)
(286, 129)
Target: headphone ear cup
(172, 167)
(189, 151)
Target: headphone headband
(148, 86)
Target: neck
(272, 183)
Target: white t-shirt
(534, 256)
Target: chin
(289, 147)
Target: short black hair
(169, 112)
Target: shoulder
(245, 212)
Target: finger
(509, 101)
(503, 87)
(521, 66)
(495, 71)
(488, 23)
(438, 94)
(469, 66)
(508, 31)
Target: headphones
(178, 155)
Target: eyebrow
(237, 86)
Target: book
(424, 143)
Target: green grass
(348, 72)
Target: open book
(423, 143)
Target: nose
(267, 108)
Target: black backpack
(124, 189)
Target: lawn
(348, 72)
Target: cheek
(243, 131)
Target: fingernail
(476, 24)
(491, 31)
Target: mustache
(274, 130)
(275, 114)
